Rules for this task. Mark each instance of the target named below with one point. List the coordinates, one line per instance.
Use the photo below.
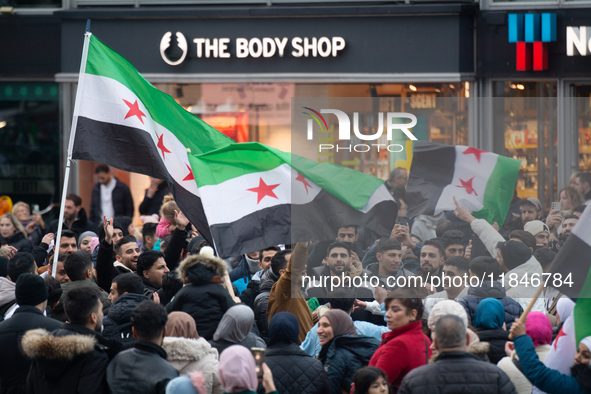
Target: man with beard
(346, 234)
(432, 260)
(78, 267)
(75, 218)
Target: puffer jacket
(140, 370)
(19, 241)
(549, 380)
(457, 372)
(204, 300)
(522, 385)
(294, 371)
(496, 339)
(73, 360)
(262, 300)
(402, 350)
(343, 356)
(188, 355)
(476, 294)
(117, 323)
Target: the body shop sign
(265, 47)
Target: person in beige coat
(187, 352)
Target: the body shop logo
(165, 44)
(532, 33)
(392, 123)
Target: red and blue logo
(532, 33)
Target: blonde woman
(13, 233)
(33, 224)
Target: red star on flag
(189, 177)
(264, 190)
(161, 146)
(134, 110)
(468, 186)
(475, 152)
(560, 334)
(301, 178)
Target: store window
(583, 94)
(524, 122)
(29, 141)
(31, 3)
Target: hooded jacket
(457, 372)
(204, 300)
(402, 350)
(80, 224)
(14, 366)
(188, 355)
(117, 323)
(344, 356)
(19, 241)
(262, 300)
(142, 370)
(549, 380)
(73, 359)
(234, 328)
(513, 309)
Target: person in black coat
(455, 370)
(293, 369)
(513, 309)
(74, 358)
(203, 296)
(121, 199)
(489, 320)
(143, 369)
(154, 196)
(13, 233)
(31, 295)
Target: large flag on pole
(480, 180)
(241, 197)
(571, 275)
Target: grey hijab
(235, 324)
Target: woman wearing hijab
(539, 329)
(234, 329)
(489, 320)
(238, 372)
(85, 239)
(564, 308)
(549, 380)
(343, 352)
(187, 352)
(295, 371)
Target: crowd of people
(149, 308)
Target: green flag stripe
(582, 311)
(499, 190)
(191, 131)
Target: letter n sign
(532, 33)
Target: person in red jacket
(405, 347)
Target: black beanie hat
(514, 253)
(30, 290)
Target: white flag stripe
(380, 195)
(231, 200)
(102, 101)
(583, 227)
(473, 173)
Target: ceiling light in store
(451, 86)
(513, 86)
(412, 87)
(439, 90)
(2, 124)
(228, 106)
(520, 86)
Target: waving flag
(241, 197)
(480, 180)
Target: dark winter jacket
(121, 197)
(250, 341)
(513, 309)
(402, 350)
(80, 225)
(40, 253)
(251, 292)
(72, 359)
(19, 241)
(204, 300)
(117, 323)
(152, 205)
(142, 370)
(457, 372)
(549, 380)
(107, 269)
(60, 314)
(317, 253)
(261, 301)
(14, 366)
(497, 339)
(343, 356)
(294, 371)
(149, 287)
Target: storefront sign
(532, 33)
(579, 38)
(254, 47)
